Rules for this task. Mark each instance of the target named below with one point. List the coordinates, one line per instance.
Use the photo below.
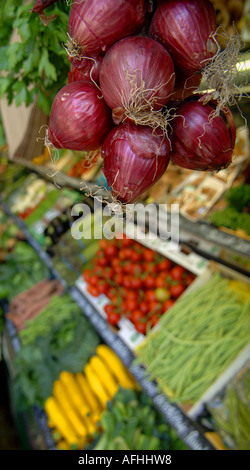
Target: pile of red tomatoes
(140, 283)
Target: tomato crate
(125, 328)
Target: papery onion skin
(79, 118)
(87, 67)
(96, 25)
(202, 141)
(185, 28)
(135, 158)
(40, 5)
(147, 61)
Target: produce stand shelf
(201, 237)
(188, 430)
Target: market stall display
(127, 340)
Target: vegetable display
(236, 215)
(29, 304)
(140, 284)
(68, 345)
(22, 269)
(131, 423)
(190, 349)
(79, 399)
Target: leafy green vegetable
(132, 423)
(22, 269)
(239, 197)
(231, 218)
(37, 66)
(68, 346)
(236, 215)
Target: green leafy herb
(36, 66)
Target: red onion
(95, 25)
(134, 159)
(201, 139)
(79, 119)
(87, 67)
(137, 74)
(185, 28)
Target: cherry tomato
(144, 307)
(148, 255)
(136, 316)
(127, 242)
(113, 318)
(189, 278)
(164, 265)
(131, 305)
(102, 261)
(103, 243)
(167, 305)
(126, 282)
(135, 256)
(86, 275)
(177, 290)
(150, 295)
(141, 327)
(153, 306)
(93, 290)
(111, 251)
(103, 287)
(93, 280)
(136, 283)
(108, 308)
(162, 294)
(160, 282)
(177, 273)
(149, 282)
(118, 279)
(154, 320)
(130, 294)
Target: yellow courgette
(55, 413)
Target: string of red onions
(95, 25)
(201, 139)
(136, 78)
(186, 28)
(79, 118)
(134, 159)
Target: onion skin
(40, 5)
(200, 141)
(85, 68)
(79, 119)
(185, 27)
(148, 61)
(97, 24)
(135, 158)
